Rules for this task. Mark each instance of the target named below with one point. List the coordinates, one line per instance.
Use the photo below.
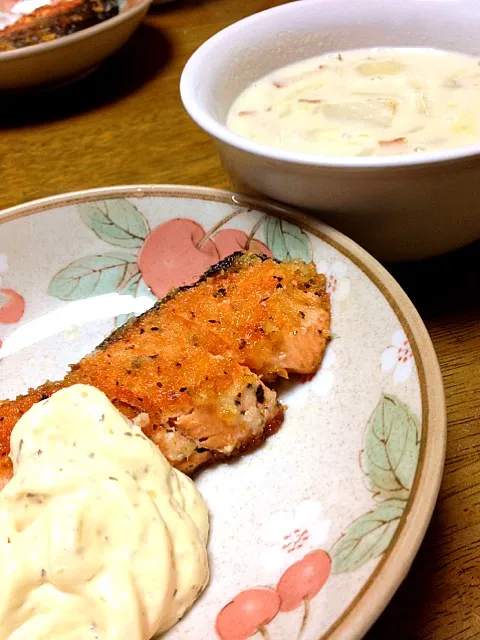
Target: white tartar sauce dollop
(100, 538)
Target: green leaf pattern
(389, 461)
(116, 221)
(93, 276)
(392, 445)
(287, 241)
(367, 537)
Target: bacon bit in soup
(280, 84)
(392, 147)
(394, 141)
(247, 113)
(310, 100)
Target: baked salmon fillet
(192, 370)
(50, 22)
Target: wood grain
(125, 124)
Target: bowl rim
(192, 71)
(64, 41)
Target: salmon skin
(53, 21)
(192, 369)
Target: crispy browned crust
(194, 362)
(53, 21)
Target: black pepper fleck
(260, 393)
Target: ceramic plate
(312, 533)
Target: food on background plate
(51, 21)
(367, 102)
(195, 365)
(100, 537)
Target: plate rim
(395, 563)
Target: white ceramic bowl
(399, 208)
(58, 61)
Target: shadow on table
(135, 64)
(176, 5)
(449, 283)
(409, 608)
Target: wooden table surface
(125, 124)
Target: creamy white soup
(369, 102)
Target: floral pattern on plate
(389, 461)
(398, 357)
(287, 537)
(173, 254)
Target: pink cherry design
(248, 613)
(12, 306)
(303, 579)
(174, 255)
(230, 240)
